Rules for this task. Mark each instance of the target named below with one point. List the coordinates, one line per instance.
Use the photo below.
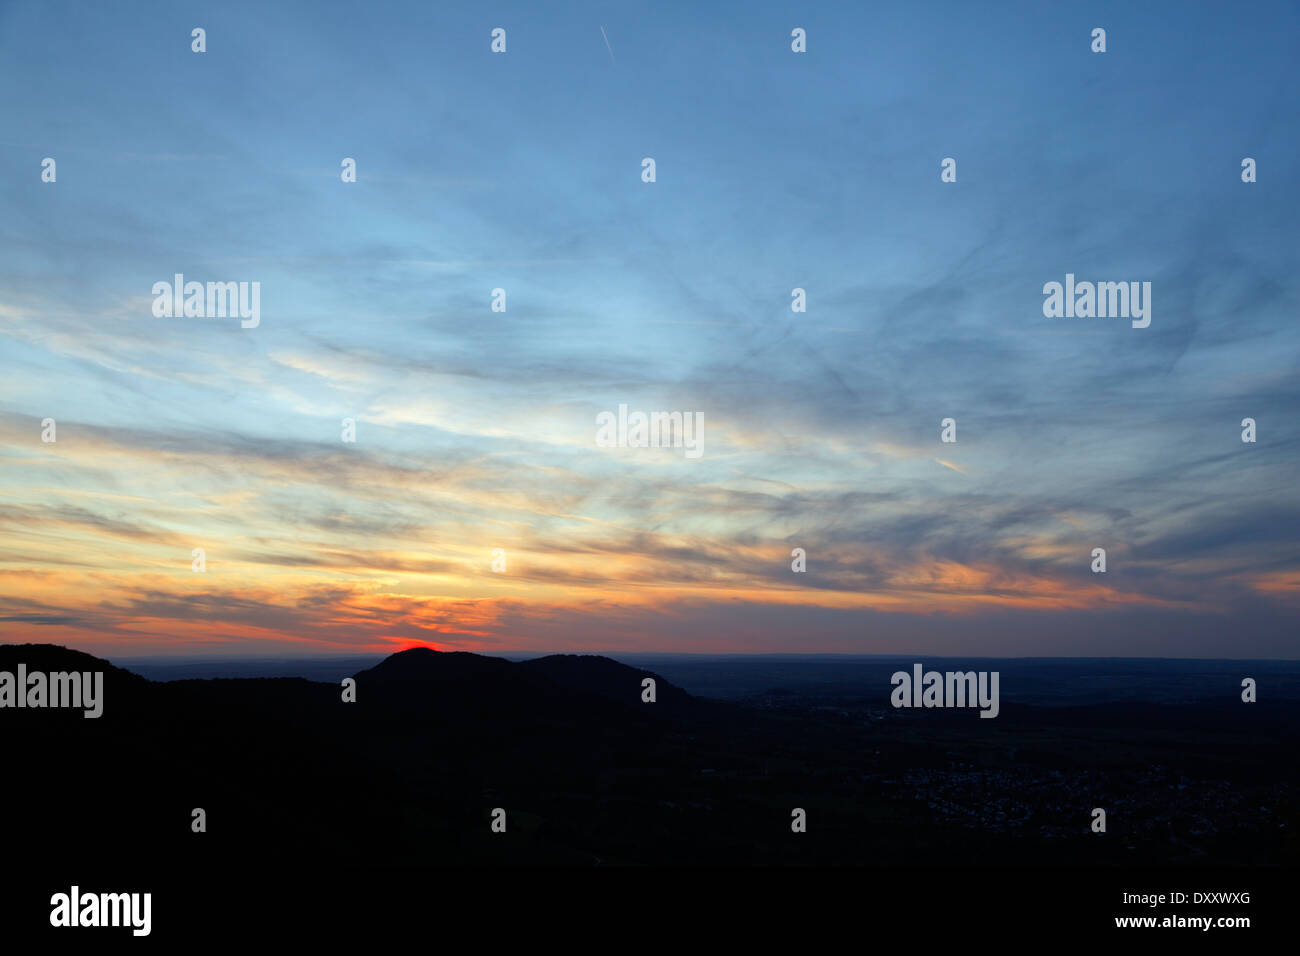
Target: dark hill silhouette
(293, 777)
(54, 657)
(124, 693)
(569, 688)
(591, 673)
(427, 664)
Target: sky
(476, 429)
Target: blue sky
(775, 170)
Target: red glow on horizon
(404, 644)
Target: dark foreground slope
(290, 775)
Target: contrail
(607, 46)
